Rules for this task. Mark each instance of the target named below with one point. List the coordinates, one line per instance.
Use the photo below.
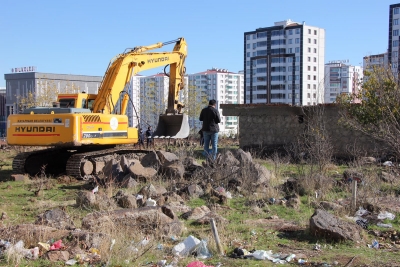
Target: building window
(254, 45)
(395, 43)
(396, 10)
(315, 41)
(308, 58)
(315, 59)
(315, 50)
(309, 50)
(308, 68)
(297, 31)
(254, 54)
(308, 95)
(290, 41)
(308, 77)
(315, 32)
(290, 50)
(248, 46)
(309, 31)
(315, 77)
(248, 37)
(308, 86)
(248, 54)
(290, 32)
(395, 53)
(297, 41)
(395, 32)
(314, 95)
(254, 36)
(314, 86)
(297, 50)
(297, 59)
(396, 22)
(315, 68)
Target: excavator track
(81, 164)
(84, 166)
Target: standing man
(141, 139)
(210, 118)
(149, 135)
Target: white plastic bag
(263, 255)
(386, 215)
(202, 250)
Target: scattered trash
(317, 247)
(95, 190)
(363, 223)
(45, 246)
(173, 238)
(112, 244)
(94, 251)
(384, 225)
(18, 250)
(160, 247)
(202, 251)
(290, 257)
(139, 197)
(145, 241)
(151, 202)
(162, 263)
(198, 264)
(375, 244)
(301, 261)
(360, 212)
(71, 262)
(186, 247)
(388, 163)
(386, 215)
(272, 200)
(253, 232)
(228, 195)
(56, 245)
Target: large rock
(211, 215)
(325, 225)
(125, 200)
(85, 199)
(147, 220)
(178, 207)
(263, 175)
(166, 157)
(331, 206)
(57, 255)
(195, 191)
(196, 213)
(151, 160)
(173, 170)
(56, 218)
(228, 159)
(140, 172)
(244, 157)
(153, 191)
(112, 169)
(128, 181)
(192, 167)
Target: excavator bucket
(172, 126)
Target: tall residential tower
(284, 64)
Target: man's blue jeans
(210, 137)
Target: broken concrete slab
(326, 225)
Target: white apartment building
(133, 89)
(380, 60)
(284, 63)
(340, 79)
(220, 84)
(152, 97)
(394, 36)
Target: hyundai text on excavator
(82, 128)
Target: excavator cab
(172, 126)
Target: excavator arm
(138, 59)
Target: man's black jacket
(210, 118)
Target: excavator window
(90, 104)
(67, 103)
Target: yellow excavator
(82, 129)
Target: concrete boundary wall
(269, 126)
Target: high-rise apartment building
(394, 36)
(284, 63)
(341, 78)
(220, 84)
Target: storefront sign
(24, 69)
